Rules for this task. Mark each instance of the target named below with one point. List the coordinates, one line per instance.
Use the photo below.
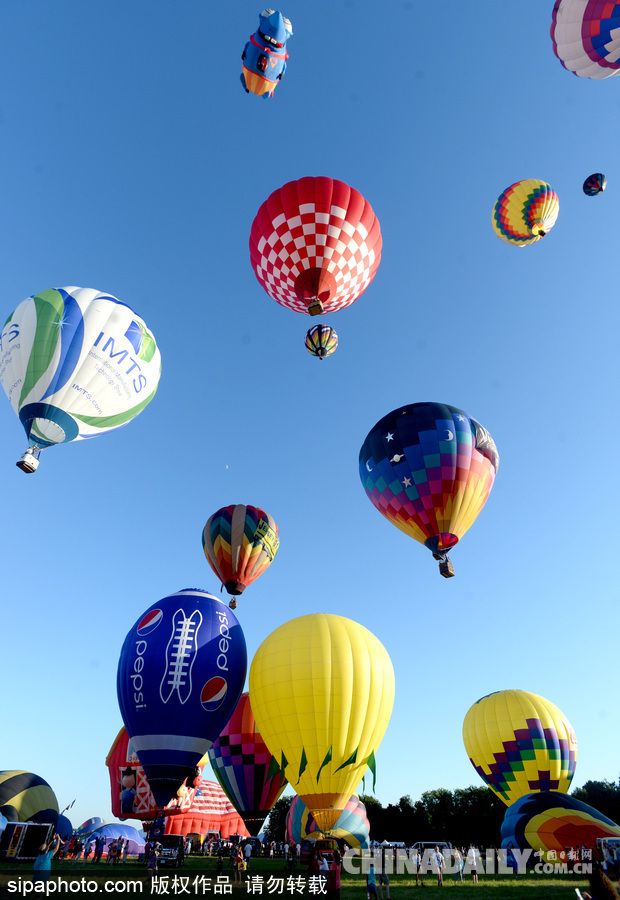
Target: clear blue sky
(132, 161)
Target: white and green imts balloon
(75, 363)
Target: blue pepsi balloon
(180, 675)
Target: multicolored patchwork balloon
(352, 825)
(594, 184)
(586, 37)
(551, 822)
(246, 770)
(240, 542)
(519, 742)
(76, 363)
(322, 691)
(429, 469)
(315, 245)
(180, 675)
(525, 212)
(321, 341)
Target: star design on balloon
(406, 482)
(389, 436)
(461, 418)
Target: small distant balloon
(321, 340)
(264, 56)
(525, 212)
(594, 184)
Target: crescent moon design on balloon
(368, 467)
(450, 435)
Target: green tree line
(463, 816)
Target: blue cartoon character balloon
(180, 675)
(264, 56)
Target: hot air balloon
(264, 56)
(315, 245)
(525, 212)
(550, 821)
(321, 341)
(352, 825)
(245, 768)
(26, 797)
(586, 37)
(429, 469)
(518, 743)
(240, 542)
(181, 672)
(75, 363)
(594, 184)
(322, 690)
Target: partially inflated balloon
(76, 363)
(525, 212)
(519, 742)
(315, 245)
(352, 825)
(594, 184)
(26, 797)
(245, 768)
(240, 542)
(322, 691)
(586, 37)
(550, 821)
(180, 674)
(321, 341)
(429, 468)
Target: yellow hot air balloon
(519, 743)
(322, 691)
(525, 212)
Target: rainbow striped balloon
(550, 821)
(352, 826)
(525, 212)
(240, 542)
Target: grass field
(196, 878)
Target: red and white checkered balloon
(315, 239)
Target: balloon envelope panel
(245, 768)
(315, 237)
(77, 363)
(525, 212)
(552, 821)
(26, 797)
(240, 542)
(429, 469)
(322, 691)
(181, 672)
(519, 742)
(586, 37)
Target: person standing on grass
(43, 863)
(333, 877)
(439, 864)
(458, 865)
(371, 883)
(472, 862)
